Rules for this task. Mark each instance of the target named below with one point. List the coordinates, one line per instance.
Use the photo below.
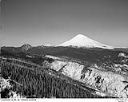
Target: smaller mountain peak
(26, 47)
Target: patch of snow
(122, 55)
(57, 65)
(4, 83)
(53, 57)
(100, 93)
(13, 94)
(73, 70)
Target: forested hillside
(39, 82)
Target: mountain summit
(26, 47)
(83, 41)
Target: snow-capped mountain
(83, 41)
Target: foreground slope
(34, 81)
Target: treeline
(94, 55)
(39, 84)
(16, 53)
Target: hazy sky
(54, 21)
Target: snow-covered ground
(53, 57)
(122, 55)
(57, 65)
(107, 82)
(5, 84)
(73, 70)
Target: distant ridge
(83, 41)
(47, 45)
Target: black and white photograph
(64, 49)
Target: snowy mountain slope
(108, 82)
(83, 41)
